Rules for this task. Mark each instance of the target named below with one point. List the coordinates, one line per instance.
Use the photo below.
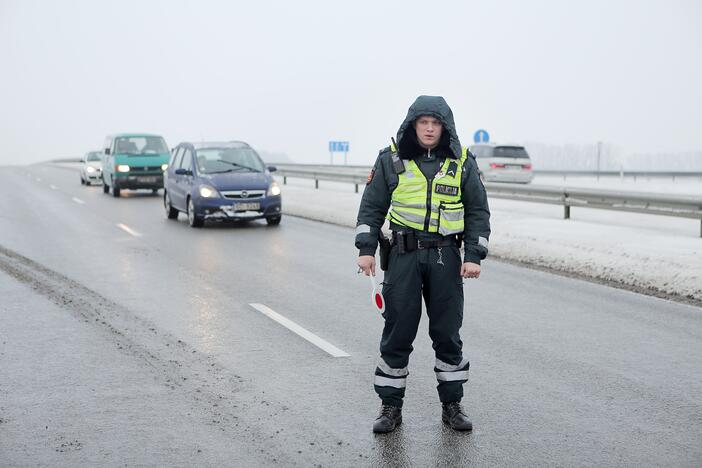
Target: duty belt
(407, 241)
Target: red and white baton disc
(377, 298)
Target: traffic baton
(377, 298)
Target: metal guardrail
(356, 175)
(621, 174)
(682, 206)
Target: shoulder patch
(370, 176)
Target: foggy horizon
(287, 78)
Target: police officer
(432, 195)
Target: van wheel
(193, 219)
(115, 192)
(171, 213)
(274, 220)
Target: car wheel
(154, 191)
(105, 187)
(274, 220)
(82, 180)
(171, 213)
(193, 219)
(115, 191)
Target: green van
(133, 161)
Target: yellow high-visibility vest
(436, 208)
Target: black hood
(435, 106)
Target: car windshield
(510, 152)
(140, 145)
(93, 156)
(221, 160)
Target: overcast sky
(289, 76)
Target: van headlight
(123, 168)
(208, 192)
(164, 167)
(273, 189)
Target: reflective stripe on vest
(439, 210)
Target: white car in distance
(503, 163)
(91, 168)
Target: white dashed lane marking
(298, 330)
(53, 187)
(128, 230)
(78, 200)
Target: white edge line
(53, 187)
(298, 330)
(128, 230)
(78, 200)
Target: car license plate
(247, 206)
(147, 180)
(514, 166)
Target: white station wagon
(503, 163)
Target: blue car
(220, 181)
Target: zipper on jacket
(430, 182)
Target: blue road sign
(338, 146)
(481, 136)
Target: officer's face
(428, 131)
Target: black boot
(389, 418)
(452, 414)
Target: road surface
(127, 338)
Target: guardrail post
(356, 188)
(285, 180)
(316, 183)
(566, 211)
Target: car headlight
(164, 167)
(208, 192)
(123, 168)
(90, 169)
(274, 189)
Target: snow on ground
(646, 252)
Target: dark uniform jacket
(383, 180)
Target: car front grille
(145, 169)
(243, 194)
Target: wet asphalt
(563, 372)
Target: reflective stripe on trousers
(381, 381)
(446, 372)
(387, 370)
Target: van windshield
(221, 160)
(140, 145)
(510, 152)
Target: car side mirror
(182, 171)
(107, 151)
(272, 168)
